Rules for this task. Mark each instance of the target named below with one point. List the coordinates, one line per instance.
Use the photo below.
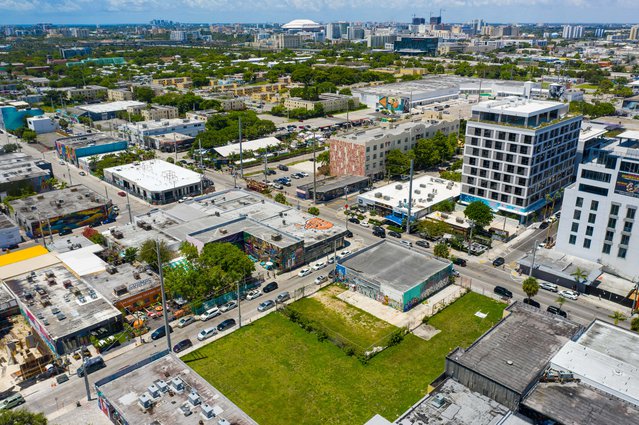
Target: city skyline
(15, 12)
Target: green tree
(148, 253)
(427, 153)
(143, 94)
(231, 260)
(324, 157)
(281, 199)
(441, 250)
(580, 276)
(634, 324)
(130, 254)
(479, 213)
(313, 210)
(64, 124)
(29, 136)
(561, 301)
(189, 251)
(530, 286)
(397, 162)
(444, 206)
(432, 228)
(617, 316)
(22, 417)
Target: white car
(344, 253)
(62, 163)
(210, 313)
(407, 243)
(571, 295)
(364, 224)
(319, 265)
(304, 272)
(228, 306)
(320, 279)
(331, 260)
(253, 294)
(548, 286)
(206, 333)
(303, 173)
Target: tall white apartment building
(572, 31)
(517, 151)
(600, 209)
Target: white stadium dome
(301, 24)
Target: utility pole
(346, 205)
(69, 171)
(165, 313)
(175, 144)
(265, 168)
(85, 373)
(314, 173)
(200, 145)
(128, 207)
(410, 198)
(533, 259)
(239, 308)
(241, 161)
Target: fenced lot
(280, 374)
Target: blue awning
(395, 219)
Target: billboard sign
(627, 184)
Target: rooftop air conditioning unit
(387, 198)
(444, 215)
(207, 411)
(422, 185)
(177, 385)
(398, 186)
(417, 191)
(459, 220)
(276, 236)
(194, 398)
(145, 402)
(378, 194)
(438, 401)
(162, 385)
(154, 391)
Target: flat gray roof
(461, 407)
(79, 314)
(394, 265)
(331, 184)
(527, 337)
(124, 388)
(135, 280)
(580, 404)
(18, 166)
(5, 223)
(88, 140)
(58, 202)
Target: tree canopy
(224, 128)
(21, 417)
(397, 162)
(148, 253)
(530, 286)
(480, 213)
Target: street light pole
(314, 173)
(533, 259)
(346, 205)
(239, 308)
(69, 171)
(86, 374)
(410, 198)
(128, 207)
(240, 135)
(165, 313)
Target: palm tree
(580, 276)
(530, 286)
(560, 300)
(617, 316)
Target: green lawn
(353, 324)
(280, 374)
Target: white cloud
(18, 5)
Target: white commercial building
(572, 31)
(139, 132)
(250, 146)
(392, 200)
(156, 181)
(518, 151)
(599, 210)
(41, 124)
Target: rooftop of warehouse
(58, 202)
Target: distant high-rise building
(333, 31)
(599, 32)
(572, 31)
(343, 28)
(355, 33)
(634, 33)
(418, 21)
(435, 20)
(79, 32)
(179, 35)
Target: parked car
(455, 273)
(270, 172)
(283, 296)
(556, 310)
(266, 305)
(82, 173)
(210, 313)
(270, 287)
(548, 286)
(11, 401)
(206, 333)
(345, 253)
(255, 293)
(407, 243)
(544, 225)
(90, 366)
(364, 224)
(228, 306)
(320, 279)
(500, 290)
(122, 193)
(499, 261)
(182, 345)
(571, 295)
(353, 220)
(459, 262)
(303, 174)
(532, 302)
(185, 321)
(304, 272)
(349, 234)
(379, 233)
(278, 186)
(160, 332)
(61, 379)
(282, 167)
(395, 234)
(228, 323)
(319, 265)
(423, 244)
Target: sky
(14, 12)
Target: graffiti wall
(394, 104)
(88, 217)
(433, 284)
(284, 258)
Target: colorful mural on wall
(92, 216)
(394, 104)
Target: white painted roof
(121, 105)
(155, 175)
(630, 134)
(252, 145)
(301, 24)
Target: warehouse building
(332, 187)
(71, 149)
(20, 172)
(9, 233)
(41, 124)
(156, 181)
(391, 201)
(108, 111)
(394, 274)
(62, 309)
(508, 360)
(139, 133)
(61, 211)
(161, 389)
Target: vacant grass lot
(280, 374)
(353, 324)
